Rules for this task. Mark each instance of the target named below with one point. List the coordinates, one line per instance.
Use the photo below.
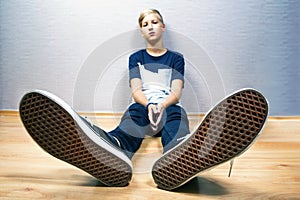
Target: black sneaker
(101, 133)
(226, 131)
(60, 131)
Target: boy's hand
(155, 113)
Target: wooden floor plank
(270, 169)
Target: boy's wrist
(148, 104)
(163, 105)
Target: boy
(156, 81)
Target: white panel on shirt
(156, 86)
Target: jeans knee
(138, 114)
(175, 112)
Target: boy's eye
(152, 22)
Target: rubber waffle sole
(58, 133)
(226, 132)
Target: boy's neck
(156, 48)
(154, 51)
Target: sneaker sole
(226, 131)
(58, 129)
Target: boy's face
(152, 28)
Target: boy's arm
(173, 98)
(139, 97)
(175, 94)
(136, 90)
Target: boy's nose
(150, 26)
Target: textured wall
(78, 50)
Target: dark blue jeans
(135, 125)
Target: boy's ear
(164, 27)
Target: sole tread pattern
(58, 133)
(226, 132)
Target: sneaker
(61, 132)
(101, 133)
(226, 131)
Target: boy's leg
(132, 129)
(60, 131)
(175, 127)
(227, 131)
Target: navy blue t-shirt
(156, 73)
(172, 61)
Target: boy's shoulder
(138, 53)
(176, 53)
(143, 51)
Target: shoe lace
(230, 169)
(182, 138)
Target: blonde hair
(147, 12)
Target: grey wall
(78, 50)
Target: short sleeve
(134, 71)
(178, 68)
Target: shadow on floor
(93, 183)
(201, 185)
(198, 185)
(88, 181)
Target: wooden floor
(270, 169)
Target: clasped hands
(155, 113)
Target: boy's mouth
(152, 33)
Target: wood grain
(270, 169)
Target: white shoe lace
(182, 138)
